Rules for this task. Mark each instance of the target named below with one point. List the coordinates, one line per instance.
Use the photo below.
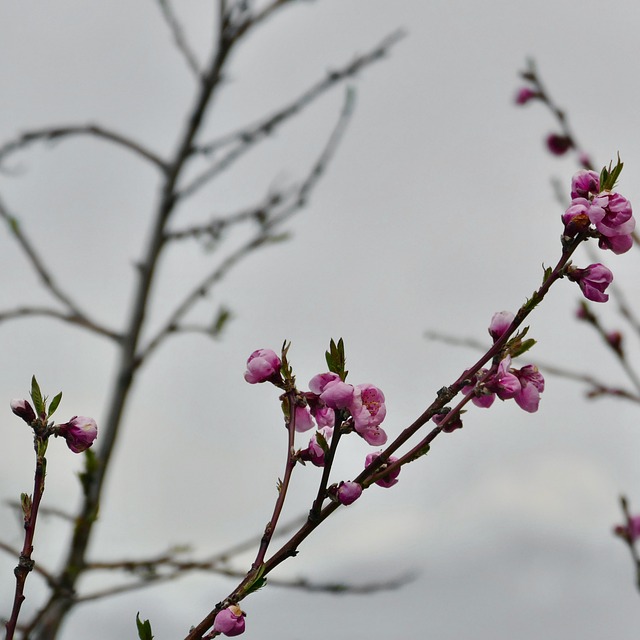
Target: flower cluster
(609, 212)
(522, 385)
(330, 404)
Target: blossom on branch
(79, 433)
(263, 365)
(230, 621)
(593, 281)
(24, 410)
(348, 492)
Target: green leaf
(523, 347)
(336, 359)
(609, 176)
(144, 628)
(322, 442)
(258, 581)
(220, 321)
(54, 404)
(36, 396)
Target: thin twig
(246, 137)
(97, 131)
(179, 37)
(75, 315)
(71, 318)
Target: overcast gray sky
(437, 211)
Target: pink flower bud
(531, 386)
(500, 322)
(612, 215)
(391, 478)
(230, 621)
(451, 425)
(631, 532)
(617, 244)
(263, 365)
(304, 421)
(24, 410)
(524, 95)
(79, 432)
(585, 183)
(337, 394)
(557, 144)
(348, 492)
(593, 281)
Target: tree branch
(245, 138)
(54, 133)
(179, 37)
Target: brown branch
(179, 37)
(97, 131)
(47, 575)
(75, 314)
(71, 318)
(246, 137)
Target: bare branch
(53, 133)
(71, 318)
(179, 37)
(291, 203)
(75, 315)
(245, 138)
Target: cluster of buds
(597, 211)
(331, 403)
(79, 432)
(523, 385)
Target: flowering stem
(282, 486)
(30, 508)
(328, 461)
(448, 393)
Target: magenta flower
(500, 322)
(391, 478)
(80, 433)
(314, 452)
(24, 410)
(531, 386)
(585, 183)
(611, 214)
(524, 95)
(263, 365)
(504, 383)
(319, 382)
(337, 394)
(482, 397)
(617, 244)
(230, 621)
(304, 421)
(373, 435)
(593, 281)
(367, 406)
(348, 492)
(558, 144)
(324, 416)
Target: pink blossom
(630, 532)
(337, 394)
(611, 214)
(617, 244)
(324, 416)
(576, 217)
(391, 478)
(524, 95)
(585, 183)
(532, 385)
(482, 397)
(319, 382)
(262, 365)
(504, 383)
(230, 621)
(558, 144)
(314, 453)
(24, 410)
(593, 281)
(80, 433)
(367, 406)
(348, 492)
(304, 421)
(373, 434)
(500, 322)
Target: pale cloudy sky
(437, 211)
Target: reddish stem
(25, 563)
